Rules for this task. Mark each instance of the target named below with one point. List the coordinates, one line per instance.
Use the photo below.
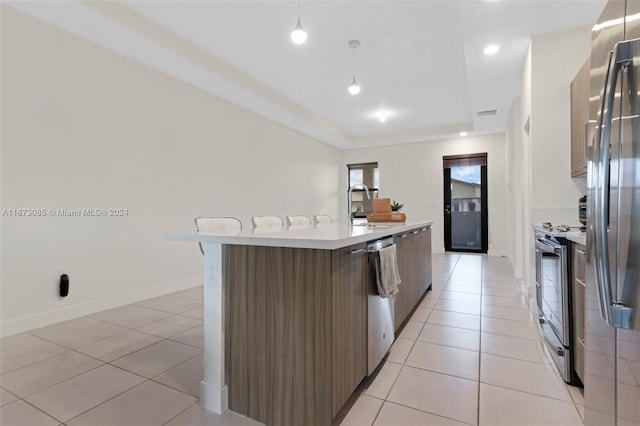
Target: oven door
(553, 285)
(551, 281)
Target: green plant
(396, 206)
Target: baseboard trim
(42, 319)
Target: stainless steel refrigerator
(612, 329)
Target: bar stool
(298, 222)
(217, 226)
(320, 220)
(264, 224)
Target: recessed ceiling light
(381, 114)
(491, 49)
(463, 134)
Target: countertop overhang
(335, 236)
(573, 235)
(577, 237)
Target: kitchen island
(286, 316)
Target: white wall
(83, 127)
(556, 59)
(412, 174)
(515, 191)
(541, 188)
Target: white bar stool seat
(265, 224)
(298, 222)
(217, 226)
(320, 220)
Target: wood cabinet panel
(424, 247)
(348, 323)
(278, 331)
(406, 293)
(414, 264)
(579, 119)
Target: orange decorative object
(386, 217)
(381, 205)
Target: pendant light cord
(354, 63)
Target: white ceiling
(421, 61)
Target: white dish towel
(387, 276)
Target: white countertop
(334, 236)
(554, 233)
(577, 237)
(573, 235)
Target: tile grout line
(30, 404)
(97, 341)
(171, 368)
(103, 363)
(523, 391)
(427, 412)
(483, 292)
(36, 362)
(146, 379)
(72, 377)
(181, 412)
(528, 393)
(379, 409)
(62, 381)
(107, 400)
(480, 345)
(404, 364)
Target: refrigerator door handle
(615, 313)
(600, 173)
(624, 305)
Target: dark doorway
(465, 203)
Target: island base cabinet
(348, 323)
(296, 326)
(414, 267)
(296, 331)
(278, 334)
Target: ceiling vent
(487, 113)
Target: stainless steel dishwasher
(380, 324)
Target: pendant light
(354, 87)
(298, 35)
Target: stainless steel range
(552, 294)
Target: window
(363, 174)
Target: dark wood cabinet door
(403, 298)
(348, 323)
(414, 265)
(278, 334)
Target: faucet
(356, 186)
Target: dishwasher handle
(379, 244)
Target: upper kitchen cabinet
(579, 120)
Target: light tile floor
(139, 365)
(471, 354)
